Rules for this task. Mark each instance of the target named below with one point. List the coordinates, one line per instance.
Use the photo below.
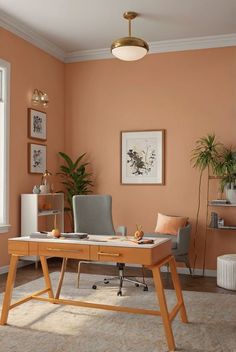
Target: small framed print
(37, 158)
(142, 157)
(37, 124)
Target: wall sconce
(40, 97)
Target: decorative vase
(231, 195)
(36, 189)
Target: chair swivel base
(123, 278)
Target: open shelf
(221, 205)
(48, 212)
(221, 228)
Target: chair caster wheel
(94, 287)
(119, 293)
(106, 281)
(137, 285)
(145, 288)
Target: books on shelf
(79, 235)
(48, 212)
(39, 235)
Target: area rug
(43, 327)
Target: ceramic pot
(231, 195)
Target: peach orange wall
(189, 94)
(30, 68)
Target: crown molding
(164, 46)
(196, 43)
(87, 55)
(30, 36)
(209, 42)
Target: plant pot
(231, 195)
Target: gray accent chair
(180, 244)
(93, 215)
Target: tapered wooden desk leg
(9, 287)
(178, 291)
(46, 276)
(63, 269)
(163, 308)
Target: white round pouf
(226, 271)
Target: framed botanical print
(37, 155)
(142, 157)
(37, 128)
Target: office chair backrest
(93, 214)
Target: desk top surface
(95, 240)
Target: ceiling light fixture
(129, 48)
(40, 97)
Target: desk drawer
(124, 255)
(66, 250)
(18, 248)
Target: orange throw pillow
(170, 224)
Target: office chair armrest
(183, 238)
(121, 230)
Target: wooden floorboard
(188, 283)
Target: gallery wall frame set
(143, 157)
(37, 130)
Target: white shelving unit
(41, 212)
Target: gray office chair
(93, 215)
(180, 244)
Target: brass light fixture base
(130, 15)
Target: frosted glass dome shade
(129, 48)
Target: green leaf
(67, 159)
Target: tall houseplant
(204, 156)
(75, 179)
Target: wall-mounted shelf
(221, 205)
(226, 228)
(49, 212)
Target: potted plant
(226, 169)
(204, 157)
(75, 179)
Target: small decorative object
(37, 158)
(214, 220)
(138, 235)
(43, 189)
(142, 157)
(56, 233)
(36, 189)
(37, 124)
(46, 182)
(221, 222)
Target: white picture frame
(37, 124)
(37, 155)
(142, 157)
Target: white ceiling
(82, 25)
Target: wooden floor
(188, 283)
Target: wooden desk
(152, 256)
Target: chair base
(121, 277)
